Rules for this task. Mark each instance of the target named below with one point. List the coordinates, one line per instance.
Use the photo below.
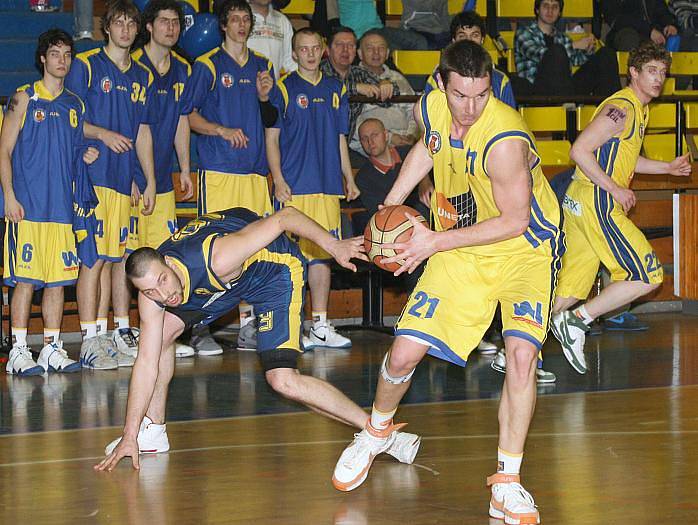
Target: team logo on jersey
(227, 80)
(434, 142)
(39, 115)
(457, 211)
(302, 101)
(527, 313)
(106, 85)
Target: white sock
(51, 335)
(508, 462)
(381, 420)
(121, 322)
(19, 336)
(319, 318)
(89, 329)
(582, 313)
(101, 325)
(246, 314)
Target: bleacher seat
(416, 62)
(299, 7)
(524, 9)
(394, 7)
(660, 137)
(546, 120)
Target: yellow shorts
(40, 253)
(598, 231)
(323, 209)
(455, 299)
(113, 214)
(220, 191)
(154, 229)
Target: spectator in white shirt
(271, 36)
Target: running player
(40, 136)
(202, 273)
(116, 90)
(497, 240)
(224, 94)
(162, 20)
(597, 228)
(308, 155)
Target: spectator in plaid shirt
(544, 57)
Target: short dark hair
(467, 19)
(337, 31)
(646, 52)
(466, 59)
(117, 8)
(151, 12)
(52, 37)
(373, 32)
(139, 261)
(537, 3)
(305, 31)
(223, 9)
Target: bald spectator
(271, 36)
(397, 118)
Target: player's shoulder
(180, 61)
(144, 71)
(208, 56)
(333, 83)
(261, 59)
(74, 99)
(88, 56)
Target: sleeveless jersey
(191, 249)
(311, 118)
(43, 160)
(501, 87)
(225, 92)
(463, 192)
(115, 100)
(618, 156)
(167, 107)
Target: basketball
(388, 225)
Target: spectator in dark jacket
(633, 21)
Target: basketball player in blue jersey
(202, 273)
(40, 139)
(497, 240)
(308, 156)
(162, 20)
(116, 91)
(597, 228)
(469, 25)
(224, 94)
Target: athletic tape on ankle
(394, 380)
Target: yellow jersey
(618, 155)
(462, 190)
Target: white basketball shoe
(151, 439)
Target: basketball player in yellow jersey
(497, 239)
(597, 228)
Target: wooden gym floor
(617, 446)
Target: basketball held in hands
(388, 225)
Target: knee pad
(279, 358)
(390, 379)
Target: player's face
(165, 28)
(549, 11)
(471, 33)
(343, 50)
(122, 31)
(161, 284)
(308, 52)
(57, 60)
(238, 27)
(649, 81)
(467, 97)
(374, 51)
(374, 138)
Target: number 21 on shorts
(424, 306)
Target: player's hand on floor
(680, 166)
(91, 154)
(420, 247)
(116, 141)
(345, 250)
(149, 199)
(186, 185)
(126, 447)
(14, 211)
(282, 191)
(625, 197)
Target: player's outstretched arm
(143, 377)
(235, 136)
(679, 167)
(116, 142)
(16, 108)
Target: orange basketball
(388, 225)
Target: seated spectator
(544, 57)
(471, 26)
(358, 80)
(686, 12)
(634, 21)
(397, 118)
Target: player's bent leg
(617, 294)
(563, 303)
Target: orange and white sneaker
(510, 501)
(352, 467)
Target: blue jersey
(115, 100)
(191, 248)
(166, 108)
(501, 87)
(225, 92)
(311, 118)
(43, 158)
